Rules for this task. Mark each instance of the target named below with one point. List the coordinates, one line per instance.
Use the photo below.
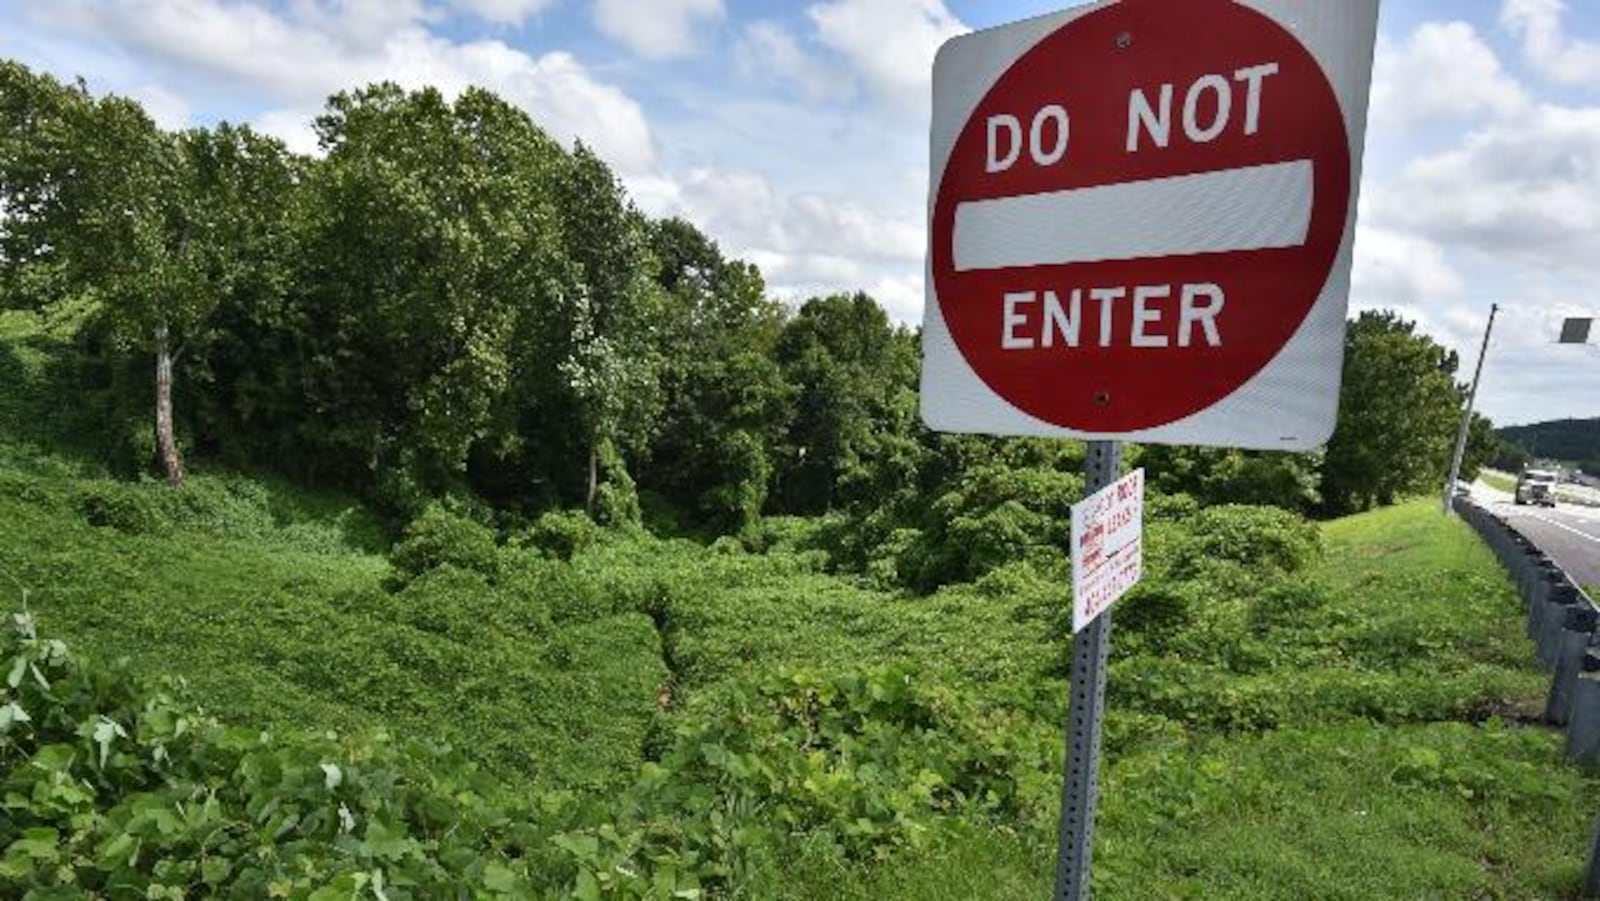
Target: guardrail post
(1576, 633)
(1583, 723)
(1591, 878)
(1559, 597)
(1533, 568)
(1543, 585)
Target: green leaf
(18, 668)
(54, 758)
(498, 877)
(116, 852)
(215, 869)
(384, 843)
(342, 888)
(584, 847)
(12, 713)
(38, 844)
(588, 888)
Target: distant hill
(1576, 440)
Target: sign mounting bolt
(1125, 40)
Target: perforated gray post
(1082, 777)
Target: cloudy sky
(795, 132)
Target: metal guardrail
(1562, 622)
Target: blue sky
(795, 133)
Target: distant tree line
(1570, 440)
(447, 302)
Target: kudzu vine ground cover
(550, 709)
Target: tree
(1230, 476)
(725, 402)
(430, 237)
(604, 319)
(1398, 414)
(855, 433)
(162, 228)
(1483, 445)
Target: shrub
(562, 534)
(1266, 539)
(112, 505)
(616, 501)
(734, 504)
(993, 516)
(462, 605)
(567, 594)
(439, 536)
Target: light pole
(1466, 415)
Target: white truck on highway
(1536, 486)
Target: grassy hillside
(1296, 711)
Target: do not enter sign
(1140, 221)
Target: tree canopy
(448, 303)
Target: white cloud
(361, 23)
(658, 29)
(1554, 54)
(1524, 189)
(846, 228)
(167, 109)
(902, 296)
(292, 127)
(315, 49)
(769, 47)
(890, 42)
(1442, 70)
(1400, 271)
(805, 244)
(504, 12)
(562, 97)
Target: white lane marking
(1566, 511)
(1254, 208)
(1561, 525)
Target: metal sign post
(1089, 650)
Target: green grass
(1498, 480)
(1442, 810)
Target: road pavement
(1570, 534)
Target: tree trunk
(594, 475)
(166, 441)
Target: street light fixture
(1576, 331)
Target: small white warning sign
(1107, 547)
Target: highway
(1570, 534)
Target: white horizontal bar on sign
(1255, 208)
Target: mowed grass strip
(1374, 807)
